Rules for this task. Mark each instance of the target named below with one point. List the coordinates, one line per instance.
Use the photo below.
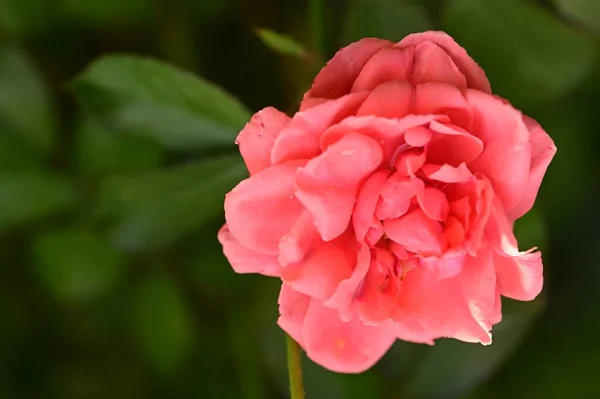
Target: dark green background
(112, 283)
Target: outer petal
(388, 132)
(442, 98)
(320, 273)
(244, 260)
(542, 152)
(388, 64)
(328, 185)
(453, 145)
(292, 311)
(262, 208)
(433, 64)
(343, 347)
(393, 99)
(506, 158)
(475, 76)
(300, 139)
(302, 237)
(337, 77)
(519, 274)
(349, 288)
(258, 136)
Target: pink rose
(386, 203)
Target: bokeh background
(112, 283)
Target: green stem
(316, 23)
(294, 368)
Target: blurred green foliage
(117, 129)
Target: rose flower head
(386, 204)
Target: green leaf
(586, 12)
(386, 19)
(25, 106)
(281, 44)
(452, 368)
(147, 98)
(15, 155)
(99, 152)
(27, 196)
(75, 265)
(162, 323)
(528, 54)
(155, 209)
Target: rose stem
(294, 368)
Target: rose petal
(506, 159)
(320, 273)
(329, 183)
(337, 77)
(348, 289)
(388, 132)
(244, 260)
(433, 64)
(366, 202)
(475, 76)
(417, 233)
(393, 99)
(258, 136)
(448, 173)
(542, 152)
(387, 65)
(302, 237)
(442, 98)
(433, 202)
(292, 312)
(300, 138)
(396, 196)
(262, 208)
(343, 347)
(455, 231)
(409, 161)
(417, 136)
(520, 274)
(453, 145)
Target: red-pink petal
(366, 202)
(408, 162)
(300, 138)
(433, 64)
(417, 136)
(320, 273)
(417, 233)
(453, 145)
(442, 98)
(302, 237)
(396, 196)
(388, 64)
(244, 260)
(292, 312)
(448, 173)
(475, 76)
(327, 186)
(347, 289)
(506, 159)
(258, 136)
(337, 77)
(542, 152)
(262, 208)
(343, 347)
(433, 202)
(393, 99)
(388, 132)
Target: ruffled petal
(244, 260)
(542, 152)
(393, 99)
(302, 237)
(300, 138)
(258, 136)
(448, 173)
(366, 202)
(433, 64)
(442, 98)
(292, 312)
(262, 208)
(475, 76)
(417, 233)
(343, 347)
(320, 273)
(453, 145)
(387, 65)
(506, 159)
(329, 183)
(337, 77)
